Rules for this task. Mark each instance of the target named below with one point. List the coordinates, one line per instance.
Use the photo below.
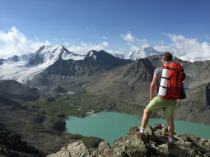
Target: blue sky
(95, 21)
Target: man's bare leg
(170, 121)
(145, 119)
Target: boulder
(75, 149)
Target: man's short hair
(167, 56)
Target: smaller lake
(112, 125)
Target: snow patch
(94, 56)
(91, 53)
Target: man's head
(166, 57)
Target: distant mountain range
(25, 67)
(54, 67)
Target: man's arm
(153, 85)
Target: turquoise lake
(112, 125)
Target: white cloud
(83, 47)
(186, 48)
(128, 37)
(190, 49)
(14, 42)
(105, 44)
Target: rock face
(95, 61)
(131, 145)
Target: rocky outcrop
(131, 145)
(76, 149)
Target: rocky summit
(154, 144)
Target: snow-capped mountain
(94, 61)
(143, 52)
(49, 54)
(23, 68)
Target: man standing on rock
(169, 80)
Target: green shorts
(158, 103)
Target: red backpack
(171, 83)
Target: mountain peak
(50, 48)
(51, 53)
(143, 52)
(92, 52)
(95, 54)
